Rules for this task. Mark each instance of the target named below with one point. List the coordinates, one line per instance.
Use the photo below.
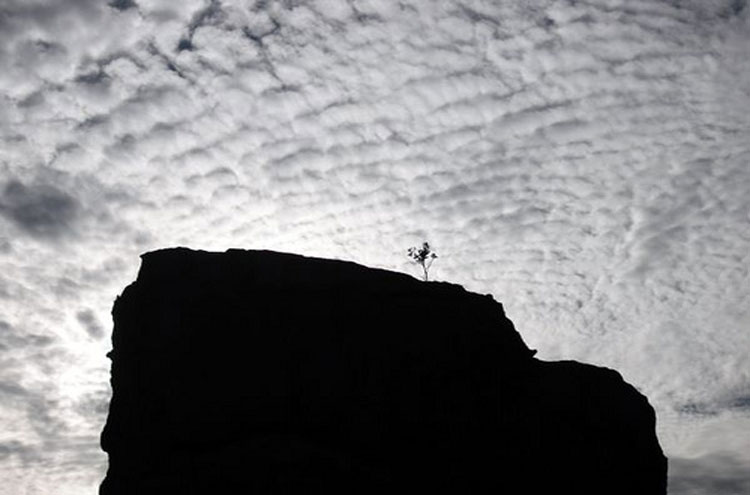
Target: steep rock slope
(263, 372)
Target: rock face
(260, 372)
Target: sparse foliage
(423, 256)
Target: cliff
(263, 372)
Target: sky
(586, 162)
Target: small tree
(423, 256)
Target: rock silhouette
(262, 372)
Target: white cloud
(584, 162)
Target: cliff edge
(264, 372)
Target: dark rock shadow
(263, 372)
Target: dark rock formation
(258, 372)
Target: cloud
(88, 320)
(43, 445)
(12, 339)
(122, 4)
(583, 161)
(39, 210)
(716, 474)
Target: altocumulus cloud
(39, 210)
(88, 320)
(586, 162)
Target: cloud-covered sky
(587, 162)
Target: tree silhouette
(423, 256)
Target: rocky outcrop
(262, 372)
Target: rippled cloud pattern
(587, 162)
